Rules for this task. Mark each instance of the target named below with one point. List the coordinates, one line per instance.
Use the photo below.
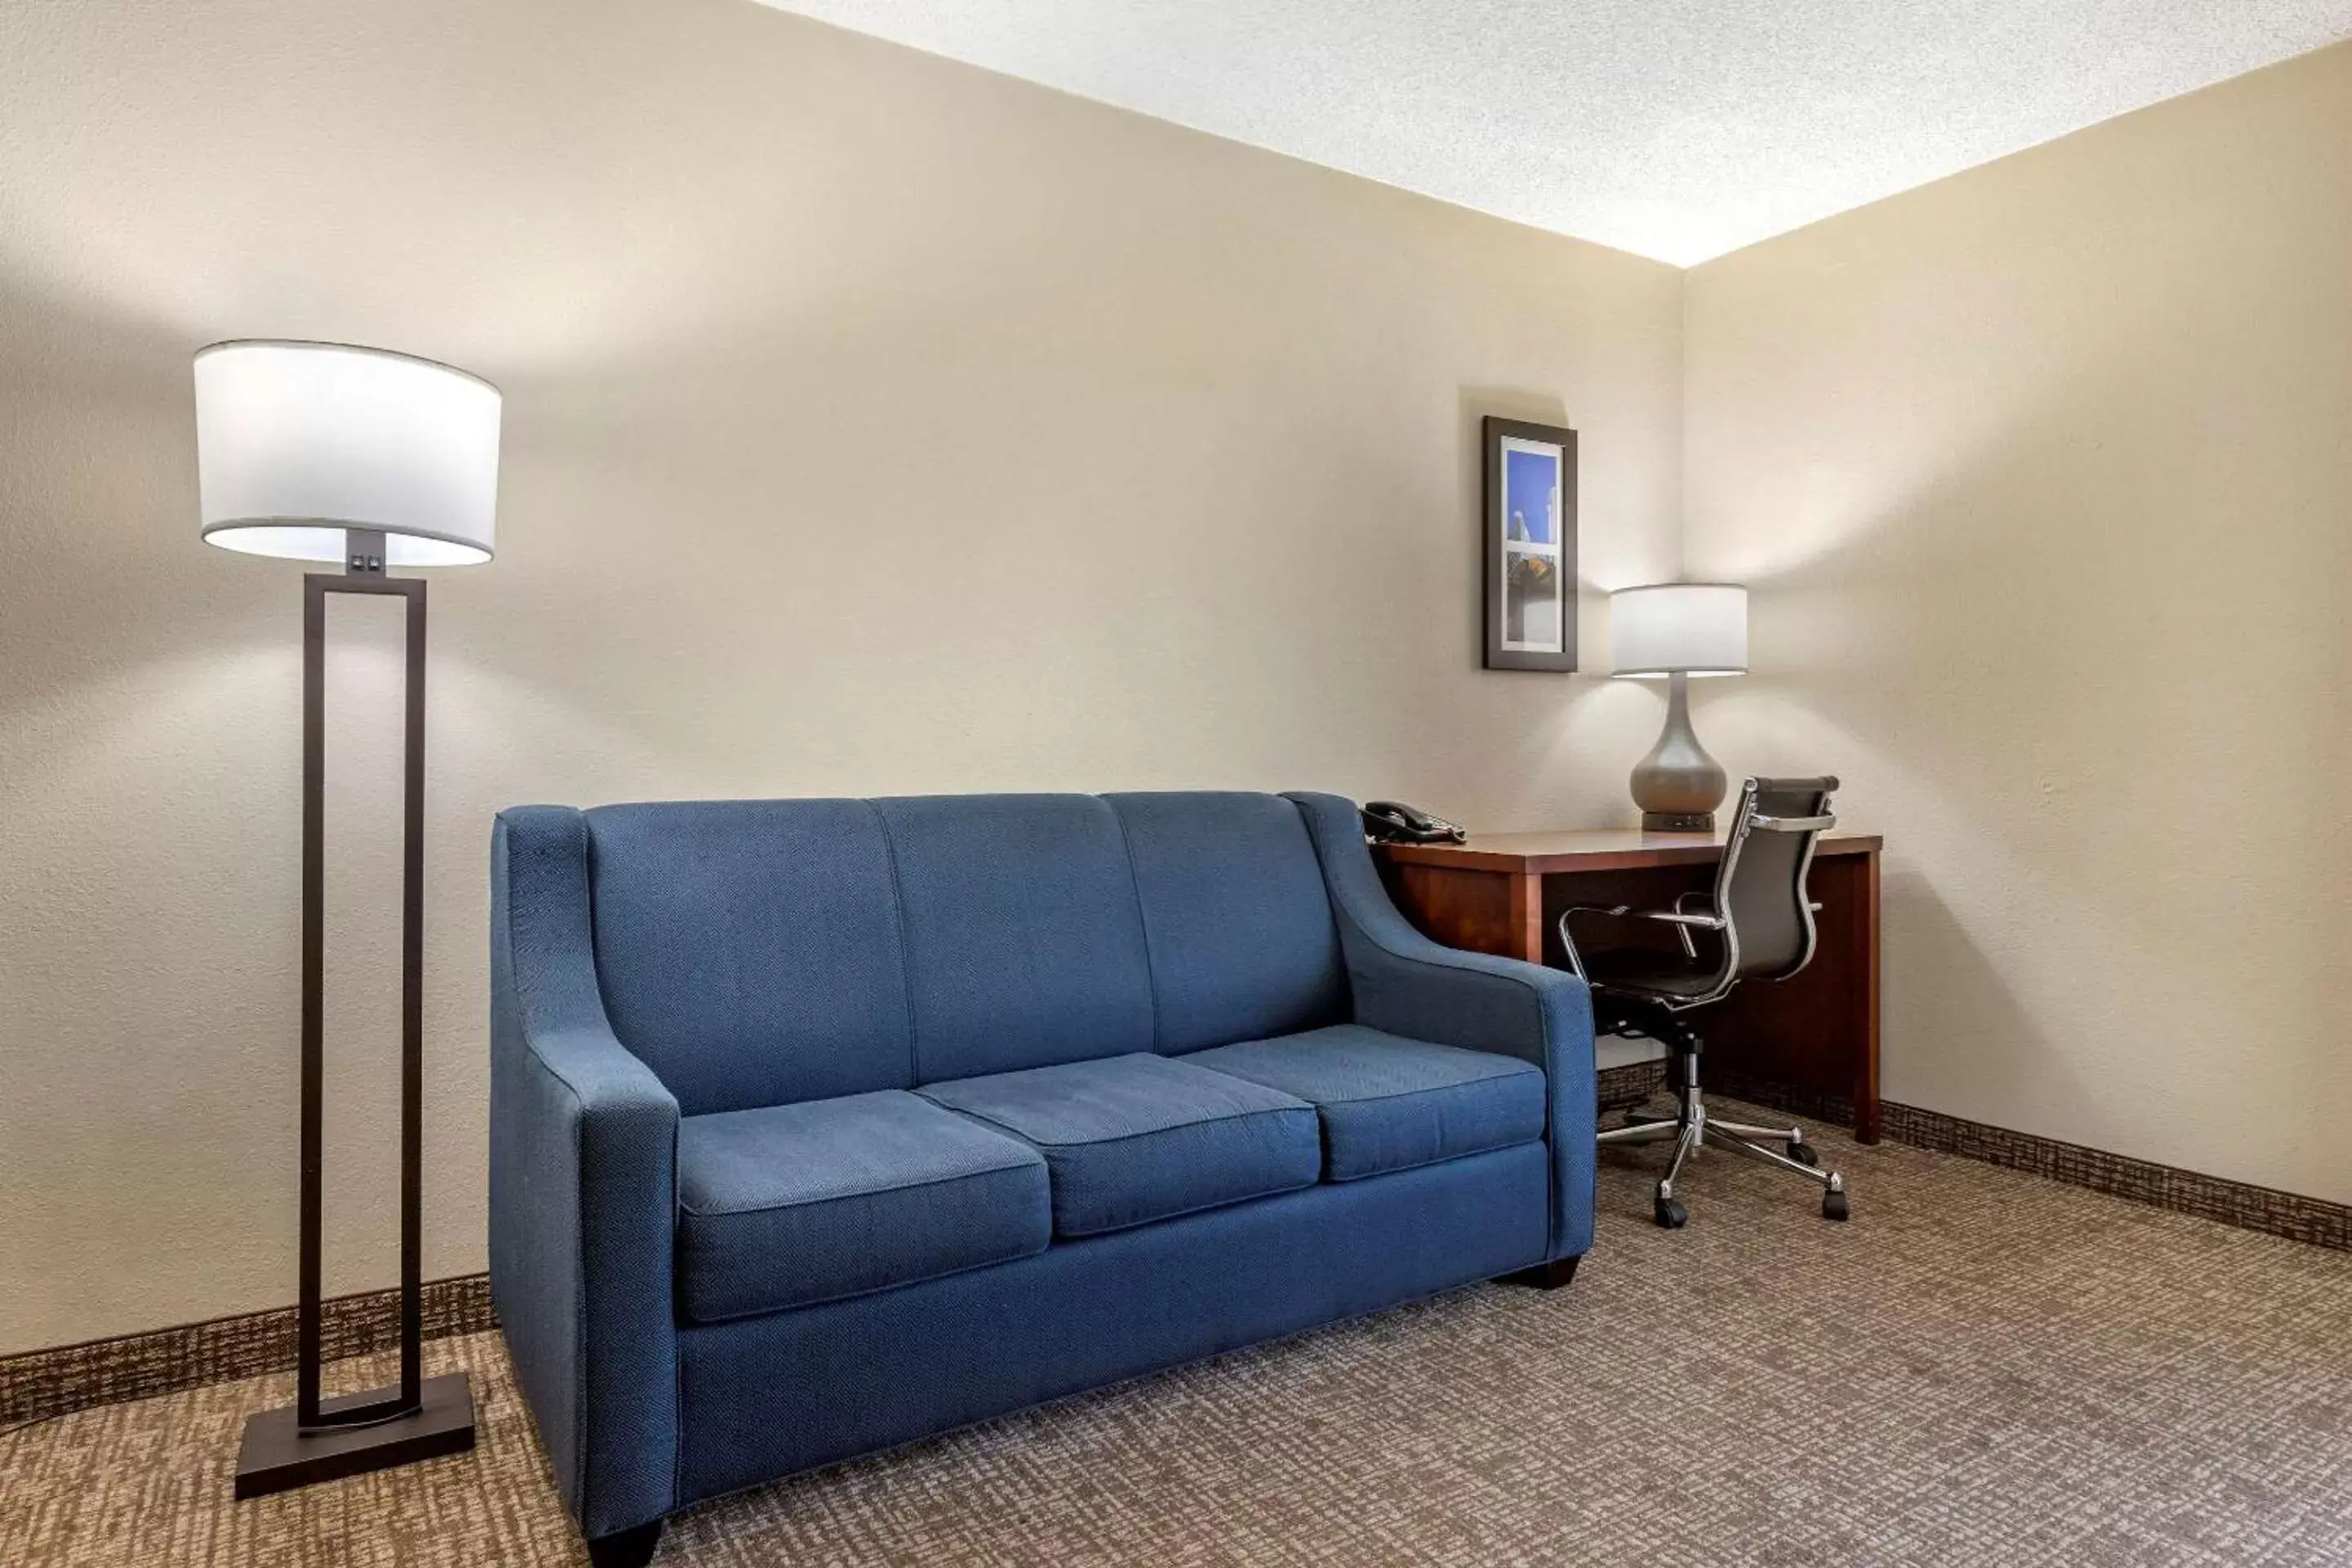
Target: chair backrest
(1759, 889)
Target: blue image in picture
(1531, 497)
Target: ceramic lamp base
(1678, 786)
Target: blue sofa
(820, 1125)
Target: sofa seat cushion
(1137, 1138)
(795, 1204)
(1388, 1103)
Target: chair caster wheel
(1669, 1214)
(1804, 1154)
(1834, 1206)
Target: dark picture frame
(1527, 517)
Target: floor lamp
(326, 452)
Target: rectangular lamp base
(1678, 822)
(277, 1457)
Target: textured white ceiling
(1678, 129)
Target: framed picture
(1528, 522)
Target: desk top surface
(1596, 849)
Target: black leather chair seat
(1652, 970)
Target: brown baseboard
(2247, 1207)
(2238, 1204)
(45, 1383)
(1805, 1104)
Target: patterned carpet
(1981, 1368)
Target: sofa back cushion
(1236, 920)
(765, 953)
(1023, 944)
(748, 951)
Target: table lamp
(325, 452)
(1679, 630)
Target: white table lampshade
(298, 442)
(1696, 628)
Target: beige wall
(2043, 476)
(873, 424)
(878, 425)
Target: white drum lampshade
(298, 442)
(1687, 628)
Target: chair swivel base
(278, 1456)
(1691, 1129)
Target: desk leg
(1865, 935)
(1499, 912)
(1527, 916)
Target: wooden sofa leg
(629, 1549)
(1547, 1276)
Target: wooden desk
(1815, 1036)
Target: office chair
(1758, 924)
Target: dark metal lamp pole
(318, 1439)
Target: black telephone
(1393, 822)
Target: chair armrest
(1822, 824)
(1672, 916)
(1407, 985)
(1684, 924)
(584, 1152)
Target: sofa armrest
(584, 1152)
(1407, 985)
